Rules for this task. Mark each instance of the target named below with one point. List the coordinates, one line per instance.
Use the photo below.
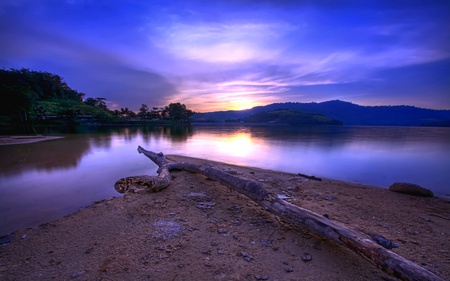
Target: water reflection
(44, 181)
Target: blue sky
(219, 55)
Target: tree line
(35, 96)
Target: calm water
(44, 181)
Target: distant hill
(291, 117)
(346, 112)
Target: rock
(197, 196)
(425, 218)
(266, 243)
(306, 257)
(205, 205)
(411, 189)
(261, 277)
(222, 231)
(383, 241)
(289, 269)
(246, 256)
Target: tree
(97, 102)
(91, 102)
(143, 112)
(177, 111)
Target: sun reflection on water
(239, 145)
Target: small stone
(220, 252)
(261, 277)
(306, 257)
(197, 196)
(222, 231)
(329, 198)
(246, 256)
(289, 269)
(425, 218)
(205, 205)
(24, 236)
(266, 243)
(386, 243)
(206, 252)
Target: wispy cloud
(232, 54)
(222, 43)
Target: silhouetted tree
(177, 111)
(143, 112)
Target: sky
(222, 55)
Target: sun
(241, 103)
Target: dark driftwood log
(358, 242)
(147, 183)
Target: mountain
(291, 117)
(346, 112)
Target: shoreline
(138, 234)
(23, 139)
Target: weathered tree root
(358, 242)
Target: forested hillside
(291, 117)
(32, 98)
(346, 112)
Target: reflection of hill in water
(48, 155)
(334, 135)
(173, 133)
(66, 153)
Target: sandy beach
(197, 229)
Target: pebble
(205, 205)
(306, 257)
(266, 243)
(425, 218)
(261, 277)
(24, 236)
(386, 243)
(246, 256)
(222, 231)
(197, 196)
(289, 269)
(329, 198)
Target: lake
(44, 181)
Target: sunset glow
(238, 145)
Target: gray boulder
(412, 189)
